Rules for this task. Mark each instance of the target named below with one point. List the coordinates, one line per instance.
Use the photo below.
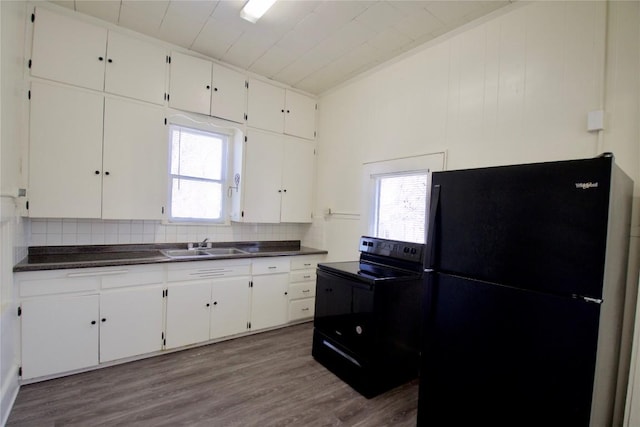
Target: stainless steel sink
(201, 253)
(184, 253)
(224, 251)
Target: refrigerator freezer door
(499, 356)
(540, 226)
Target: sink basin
(185, 253)
(223, 251)
(201, 253)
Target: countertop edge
(24, 266)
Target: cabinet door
(262, 177)
(135, 161)
(65, 152)
(229, 306)
(298, 171)
(130, 322)
(190, 83)
(135, 68)
(265, 106)
(59, 335)
(228, 94)
(300, 115)
(269, 302)
(188, 313)
(68, 50)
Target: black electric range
(367, 315)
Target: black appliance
(367, 315)
(525, 292)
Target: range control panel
(408, 251)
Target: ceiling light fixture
(254, 9)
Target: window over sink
(198, 174)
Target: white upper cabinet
(300, 115)
(135, 69)
(190, 83)
(278, 179)
(280, 110)
(65, 152)
(80, 168)
(200, 86)
(297, 181)
(135, 161)
(228, 94)
(70, 51)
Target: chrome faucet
(203, 244)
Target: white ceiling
(311, 45)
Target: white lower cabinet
(269, 292)
(130, 322)
(74, 319)
(77, 318)
(59, 334)
(206, 300)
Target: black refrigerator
(524, 296)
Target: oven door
(344, 311)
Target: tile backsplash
(54, 232)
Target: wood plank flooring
(267, 379)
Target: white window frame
(428, 163)
(207, 125)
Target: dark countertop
(62, 257)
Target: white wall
(12, 229)
(515, 88)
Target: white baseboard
(8, 393)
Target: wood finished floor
(267, 379)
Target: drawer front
(304, 262)
(271, 266)
(70, 284)
(301, 309)
(209, 270)
(302, 290)
(302, 276)
(134, 276)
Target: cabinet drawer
(304, 262)
(58, 282)
(133, 276)
(302, 276)
(302, 290)
(207, 270)
(271, 266)
(301, 309)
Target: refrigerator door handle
(430, 252)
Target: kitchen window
(397, 193)
(400, 206)
(198, 173)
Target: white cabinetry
(134, 182)
(270, 282)
(72, 174)
(74, 319)
(206, 300)
(278, 179)
(65, 152)
(70, 51)
(59, 334)
(130, 322)
(203, 87)
(302, 287)
(280, 110)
